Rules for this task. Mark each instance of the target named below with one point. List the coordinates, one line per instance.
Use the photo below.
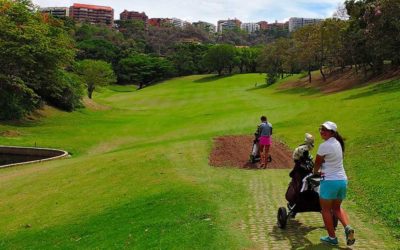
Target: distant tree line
(57, 61)
(368, 39)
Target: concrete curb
(47, 154)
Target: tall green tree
(248, 59)
(307, 42)
(33, 50)
(98, 49)
(187, 58)
(144, 69)
(220, 57)
(95, 73)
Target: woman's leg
(340, 213)
(262, 155)
(327, 206)
(266, 155)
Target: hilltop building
(56, 11)
(133, 15)
(178, 22)
(298, 22)
(250, 27)
(93, 14)
(263, 25)
(277, 25)
(209, 27)
(158, 22)
(228, 24)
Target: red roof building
(133, 15)
(94, 14)
(263, 25)
(158, 22)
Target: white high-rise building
(298, 22)
(250, 27)
(178, 22)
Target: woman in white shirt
(329, 162)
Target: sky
(214, 10)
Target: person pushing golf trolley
(262, 143)
(302, 193)
(333, 187)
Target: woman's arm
(318, 162)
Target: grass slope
(139, 176)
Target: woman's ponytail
(340, 140)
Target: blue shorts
(333, 189)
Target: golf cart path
(304, 231)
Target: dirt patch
(234, 151)
(92, 105)
(339, 80)
(10, 133)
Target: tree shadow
(32, 120)
(296, 233)
(389, 86)
(300, 91)
(258, 86)
(211, 78)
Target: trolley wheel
(252, 159)
(282, 217)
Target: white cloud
(214, 10)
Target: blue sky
(214, 10)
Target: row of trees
(368, 38)
(38, 63)
(56, 61)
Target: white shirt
(332, 168)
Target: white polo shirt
(332, 168)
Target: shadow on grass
(124, 90)
(296, 233)
(390, 86)
(24, 122)
(210, 78)
(258, 86)
(300, 91)
(171, 219)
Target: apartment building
(263, 25)
(208, 27)
(158, 22)
(56, 11)
(93, 14)
(178, 22)
(277, 25)
(133, 15)
(250, 27)
(228, 24)
(298, 22)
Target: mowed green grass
(139, 174)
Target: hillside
(139, 176)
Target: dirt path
(234, 151)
